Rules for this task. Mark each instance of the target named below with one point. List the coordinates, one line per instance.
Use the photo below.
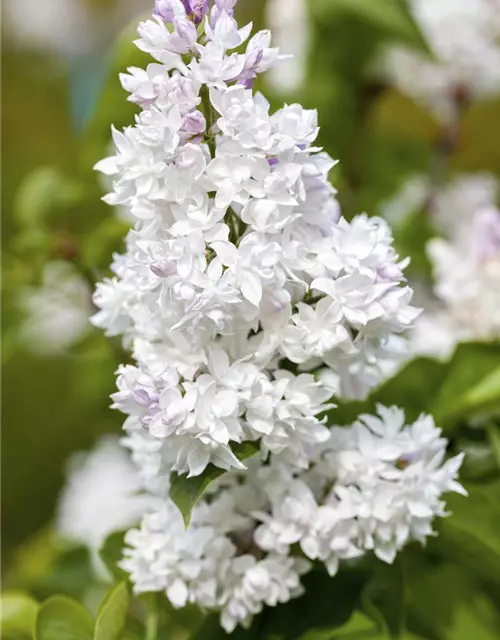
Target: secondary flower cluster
(463, 35)
(371, 487)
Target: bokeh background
(419, 148)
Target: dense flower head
(249, 303)
(371, 487)
(238, 259)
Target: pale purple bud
(487, 233)
(194, 123)
(273, 161)
(164, 9)
(198, 10)
(186, 33)
(252, 61)
(141, 396)
(163, 268)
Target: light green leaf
(357, 626)
(111, 553)
(494, 438)
(61, 618)
(17, 613)
(486, 393)
(470, 386)
(112, 614)
(186, 492)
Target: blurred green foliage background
(57, 111)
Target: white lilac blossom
(57, 311)
(463, 35)
(238, 258)
(371, 487)
(248, 303)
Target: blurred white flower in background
(464, 35)
(467, 277)
(58, 311)
(288, 20)
(102, 495)
(465, 301)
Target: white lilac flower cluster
(464, 36)
(248, 303)
(371, 487)
(238, 258)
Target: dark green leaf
(17, 614)
(385, 597)
(326, 606)
(112, 614)
(186, 492)
(61, 618)
(470, 536)
(111, 553)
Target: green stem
(209, 114)
(152, 621)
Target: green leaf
(494, 439)
(17, 613)
(112, 614)
(471, 385)
(393, 16)
(446, 603)
(470, 536)
(486, 393)
(358, 626)
(384, 597)
(111, 553)
(325, 608)
(61, 618)
(186, 492)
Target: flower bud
(194, 123)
